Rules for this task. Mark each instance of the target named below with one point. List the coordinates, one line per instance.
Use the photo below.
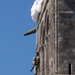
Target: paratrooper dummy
(36, 61)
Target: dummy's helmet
(34, 58)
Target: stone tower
(56, 38)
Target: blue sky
(16, 50)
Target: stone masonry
(56, 38)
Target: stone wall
(45, 36)
(56, 38)
(66, 36)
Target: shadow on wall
(71, 4)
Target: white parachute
(35, 10)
